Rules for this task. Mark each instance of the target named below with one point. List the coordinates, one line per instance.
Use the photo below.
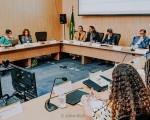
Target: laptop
(14, 42)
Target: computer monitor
(24, 82)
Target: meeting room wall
(35, 15)
(127, 26)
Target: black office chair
(41, 36)
(101, 35)
(20, 38)
(138, 117)
(118, 37)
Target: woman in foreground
(129, 96)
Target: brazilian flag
(72, 27)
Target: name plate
(141, 51)
(117, 48)
(85, 43)
(96, 45)
(36, 44)
(19, 46)
(77, 42)
(53, 42)
(66, 41)
(10, 110)
(63, 88)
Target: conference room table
(35, 109)
(87, 52)
(24, 52)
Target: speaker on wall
(63, 19)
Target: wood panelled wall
(127, 26)
(35, 15)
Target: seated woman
(26, 36)
(80, 35)
(92, 35)
(6, 40)
(129, 96)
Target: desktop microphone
(49, 106)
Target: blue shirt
(143, 44)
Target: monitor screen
(114, 7)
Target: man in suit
(92, 35)
(141, 41)
(110, 38)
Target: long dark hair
(147, 72)
(129, 94)
(23, 33)
(94, 31)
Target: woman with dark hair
(80, 34)
(128, 96)
(92, 35)
(6, 40)
(147, 73)
(26, 37)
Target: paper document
(100, 81)
(95, 104)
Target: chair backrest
(118, 37)
(41, 36)
(101, 35)
(20, 38)
(138, 117)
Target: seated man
(6, 40)
(92, 35)
(80, 35)
(141, 41)
(110, 38)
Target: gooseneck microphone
(49, 106)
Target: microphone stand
(49, 106)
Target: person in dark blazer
(92, 35)
(110, 38)
(141, 41)
(26, 37)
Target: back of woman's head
(129, 94)
(147, 72)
